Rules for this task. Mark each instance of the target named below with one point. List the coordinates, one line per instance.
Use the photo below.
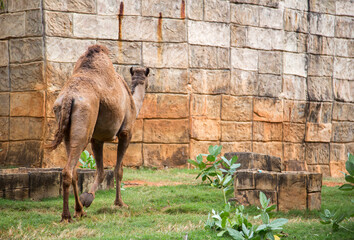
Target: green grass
(168, 212)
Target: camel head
(139, 77)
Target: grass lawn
(155, 212)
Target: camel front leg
(124, 140)
(97, 148)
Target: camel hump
(93, 49)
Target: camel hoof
(66, 219)
(86, 199)
(80, 214)
(121, 204)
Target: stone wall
(266, 76)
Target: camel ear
(147, 71)
(131, 71)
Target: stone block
(208, 106)
(166, 131)
(108, 7)
(110, 154)
(266, 162)
(320, 65)
(244, 180)
(244, 158)
(133, 157)
(322, 24)
(25, 50)
(337, 152)
(295, 21)
(323, 6)
(4, 104)
(14, 181)
(337, 169)
(50, 99)
(271, 18)
(270, 62)
(15, 25)
(57, 74)
(82, 6)
(269, 148)
(268, 109)
(294, 111)
(51, 127)
(137, 131)
(22, 5)
(269, 85)
(245, 59)
(4, 54)
(59, 24)
(323, 169)
(66, 49)
(314, 201)
(161, 55)
(294, 132)
(168, 80)
(295, 64)
(147, 29)
(251, 197)
(236, 108)
(299, 5)
(343, 111)
(318, 132)
(16, 194)
(44, 184)
(236, 147)
(123, 52)
(83, 26)
(165, 155)
(294, 165)
(318, 44)
(34, 25)
(236, 131)
(3, 154)
(238, 35)
(290, 185)
(343, 68)
(25, 153)
(170, 9)
(320, 88)
(245, 1)
(294, 87)
(200, 147)
(26, 128)
(270, 3)
(202, 33)
(342, 90)
(319, 112)
(216, 11)
(205, 129)
(243, 83)
(27, 76)
(294, 151)
(4, 130)
(344, 7)
(209, 81)
(172, 30)
(344, 47)
(265, 38)
(295, 42)
(56, 158)
(29, 104)
(208, 57)
(314, 182)
(244, 14)
(85, 179)
(344, 27)
(165, 106)
(266, 181)
(265, 131)
(317, 153)
(342, 132)
(195, 9)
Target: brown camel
(96, 105)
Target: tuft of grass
(168, 212)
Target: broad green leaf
(346, 187)
(269, 235)
(217, 150)
(211, 149)
(199, 158)
(193, 162)
(229, 190)
(265, 217)
(202, 165)
(236, 165)
(271, 208)
(245, 230)
(349, 178)
(263, 200)
(84, 155)
(227, 180)
(220, 234)
(278, 222)
(349, 165)
(235, 234)
(234, 159)
(261, 227)
(211, 158)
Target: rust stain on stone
(120, 19)
(183, 9)
(159, 39)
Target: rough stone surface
(342, 132)
(236, 108)
(216, 11)
(314, 182)
(209, 81)
(266, 181)
(205, 129)
(320, 65)
(265, 131)
(318, 132)
(343, 111)
(294, 87)
(166, 131)
(38, 190)
(245, 14)
(205, 106)
(317, 153)
(33, 23)
(295, 64)
(23, 128)
(290, 185)
(294, 132)
(4, 54)
(269, 85)
(166, 155)
(294, 152)
(195, 9)
(208, 57)
(202, 33)
(267, 109)
(245, 180)
(26, 76)
(236, 131)
(270, 62)
(314, 201)
(243, 82)
(168, 80)
(322, 24)
(25, 50)
(19, 103)
(4, 104)
(59, 24)
(245, 59)
(320, 88)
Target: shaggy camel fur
(96, 105)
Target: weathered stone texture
(205, 106)
(168, 80)
(295, 42)
(320, 88)
(268, 109)
(344, 27)
(25, 50)
(318, 112)
(269, 148)
(295, 21)
(216, 11)
(295, 64)
(264, 131)
(208, 57)
(270, 62)
(344, 7)
(57, 74)
(4, 54)
(342, 132)
(245, 180)
(294, 152)
(205, 129)
(195, 9)
(245, 14)
(294, 132)
(314, 201)
(318, 44)
(203, 33)
(4, 104)
(290, 185)
(83, 26)
(322, 24)
(245, 59)
(294, 87)
(4, 132)
(343, 68)
(318, 132)
(269, 85)
(238, 35)
(344, 47)
(166, 131)
(343, 111)
(210, 81)
(110, 7)
(171, 9)
(14, 23)
(59, 24)
(26, 76)
(4, 79)
(317, 153)
(236, 131)
(33, 23)
(26, 128)
(271, 18)
(165, 155)
(236, 108)
(342, 90)
(20, 102)
(243, 82)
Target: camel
(95, 105)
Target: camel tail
(63, 123)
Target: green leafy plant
(87, 161)
(327, 217)
(232, 221)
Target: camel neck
(138, 96)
